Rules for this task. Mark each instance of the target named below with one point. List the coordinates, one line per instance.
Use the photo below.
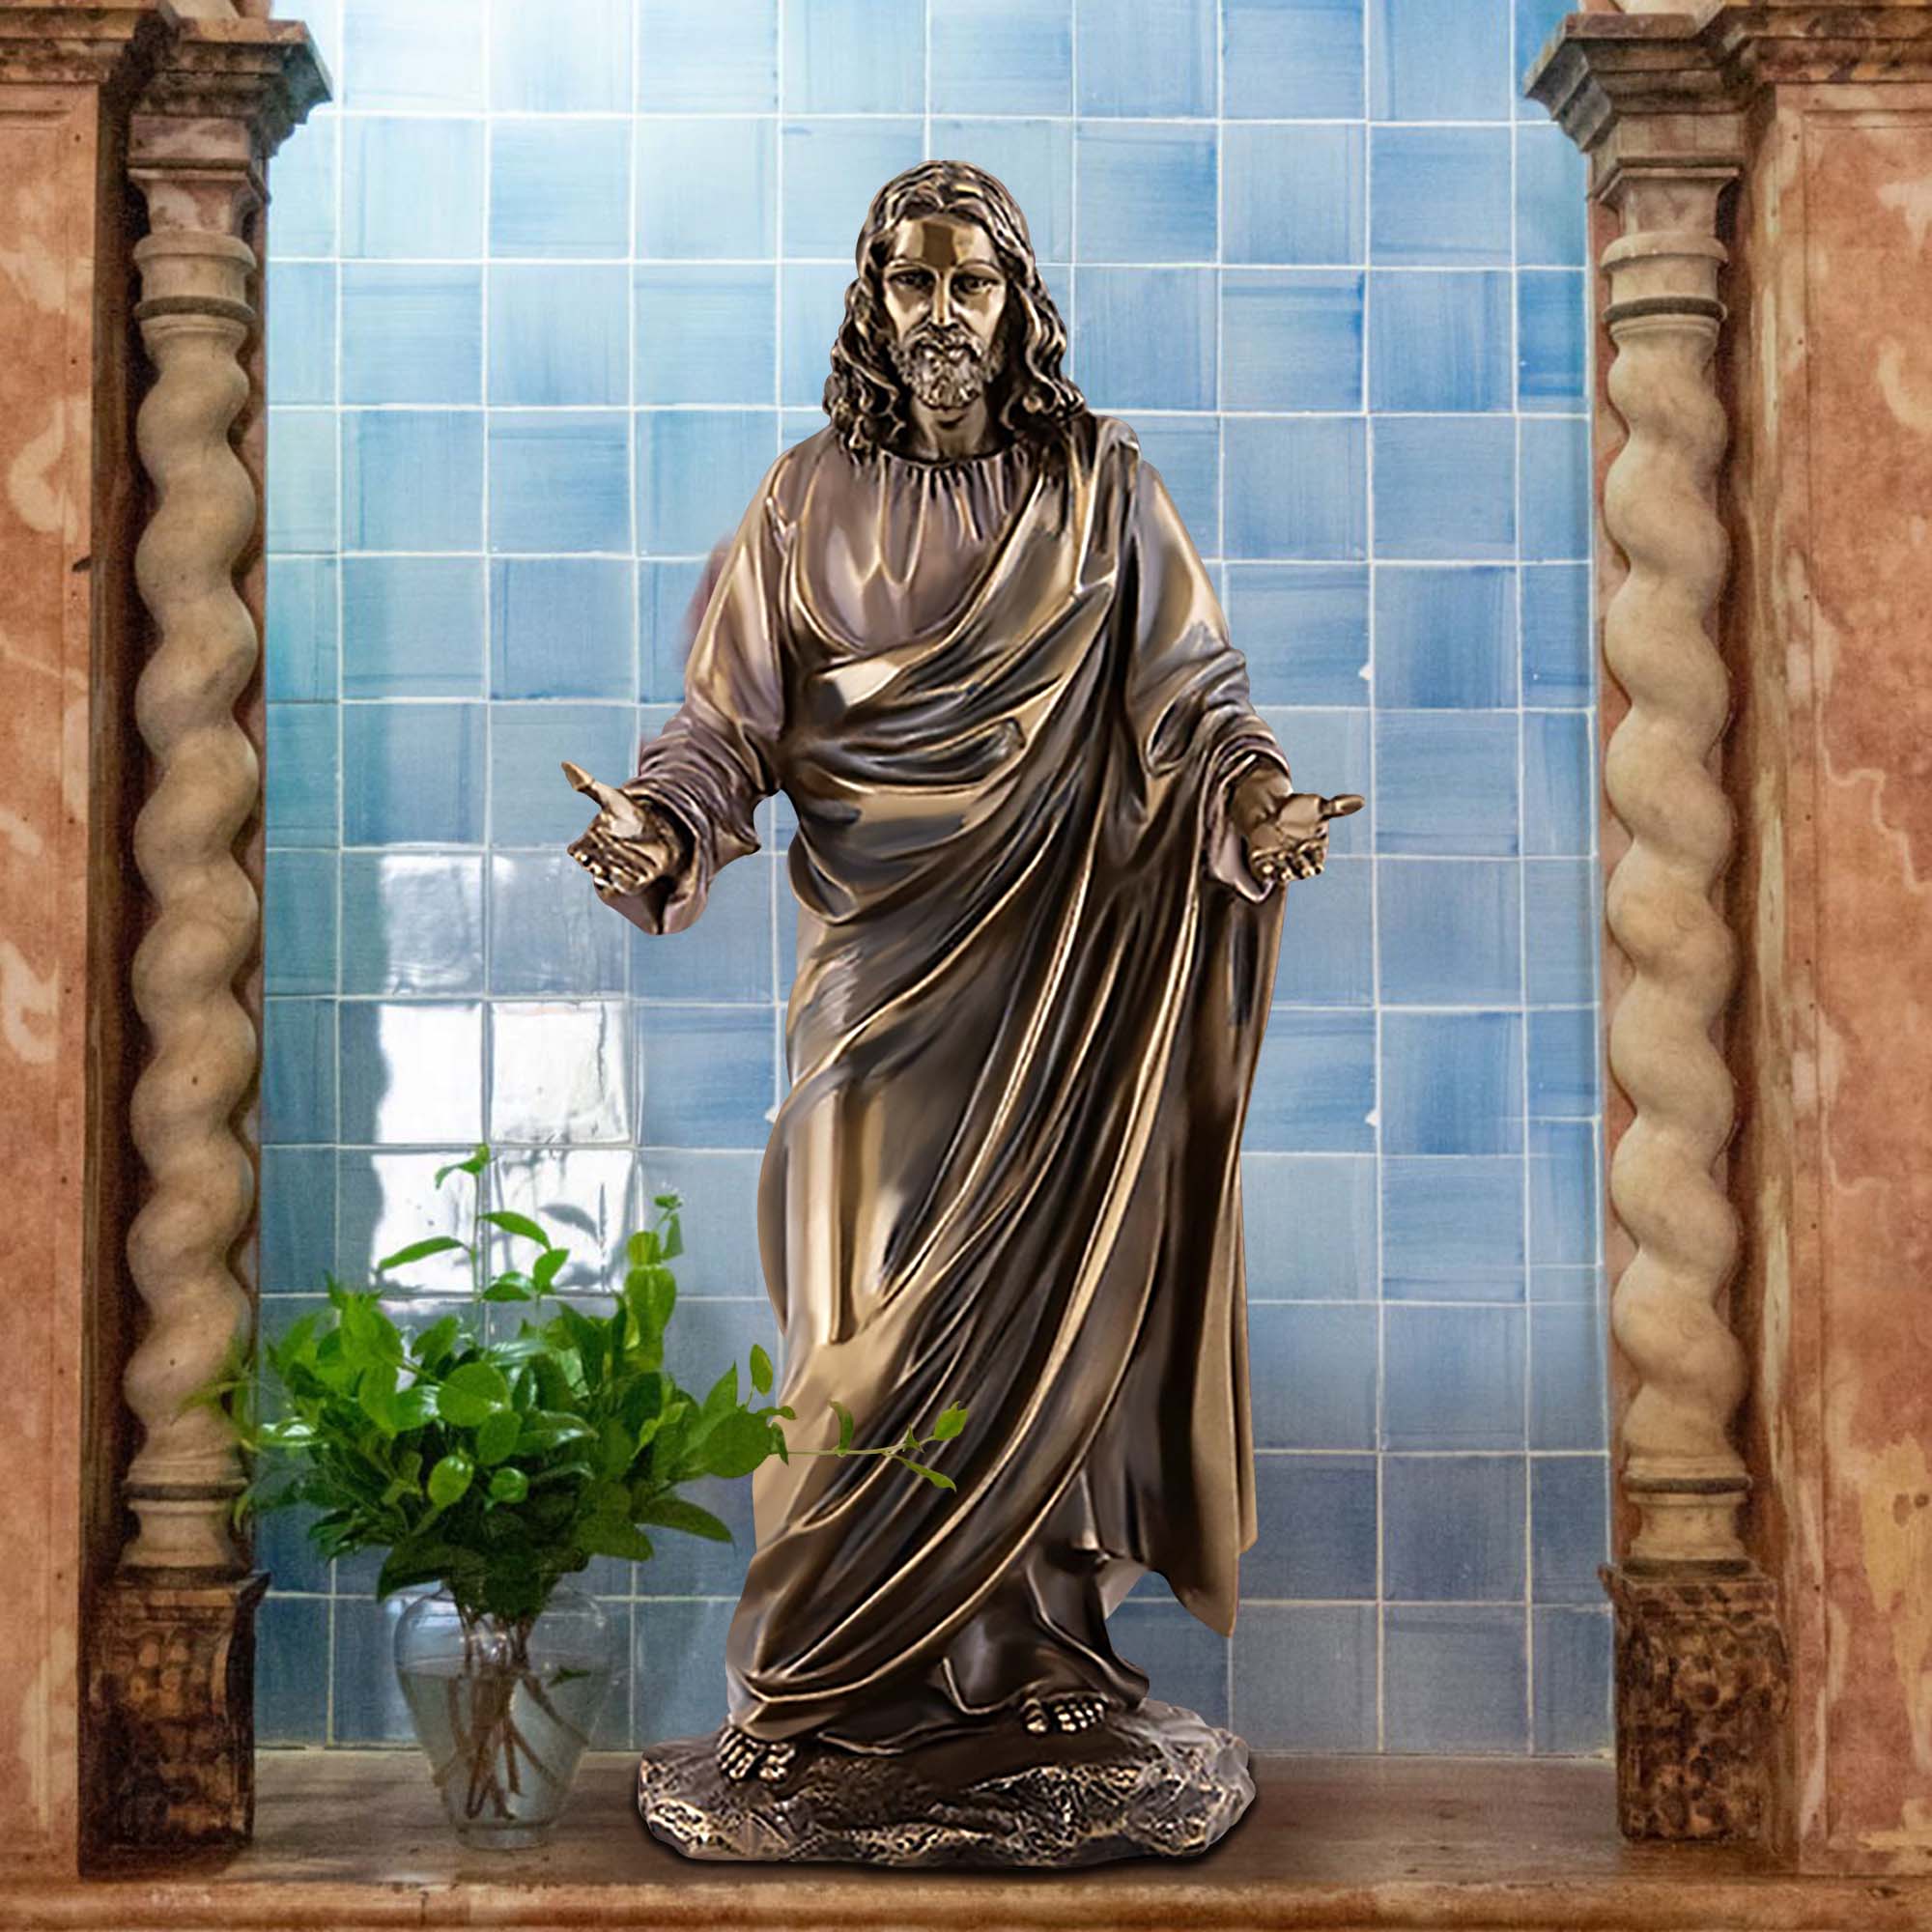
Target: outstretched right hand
(629, 845)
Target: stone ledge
(348, 1840)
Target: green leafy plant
(498, 1467)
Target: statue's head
(947, 304)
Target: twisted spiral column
(1681, 1468)
(194, 318)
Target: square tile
(549, 935)
(706, 189)
(678, 1664)
(1291, 59)
(1294, 194)
(1452, 1083)
(558, 1071)
(1317, 1528)
(1568, 1343)
(1559, 648)
(706, 334)
(301, 305)
(559, 187)
(1453, 1526)
(728, 954)
(1303, 630)
(1445, 487)
(1291, 339)
(568, 57)
(1146, 191)
(718, 1218)
(1551, 322)
(1447, 782)
(722, 59)
(1157, 58)
(1145, 339)
(1001, 56)
(1551, 199)
(1453, 1230)
(1187, 451)
(561, 626)
(412, 480)
(1565, 1045)
(1450, 932)
(442, 162)
(1311, 1227)
(1315, 1083)
(1438, 60)
(299, 766)
(411, 1071)
(698, 469)
(1446, 638)
(1329, 956)
(668, 614)
(854, 56)
(412, 774)
(1570, 1671)
(705, 1076)
(301, 489)
(559, 481)
(559, 335)
(1312, 1373)
(1186, 1663)
(1559, 783)
(412, 922)
(299, 921)
(1564, 1177)
(812, 298)
(411, 334)
(1456, 1680)
(1561, 920)
(532, 803)
(426, 56)
(1305, 1677)
(299, 626)
(1439, 340)
(1454, 1379)
(298, 1072)
(1441, 197)
(1569, 1511)
(291, 1667)
(1298, 488)
(412, 627)
(304, 169)
(1034, 158)
(1556, 504)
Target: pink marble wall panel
(48, 159)
(1867, 597)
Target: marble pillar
(131, 463)
(1764, 435)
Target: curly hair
(864, 394)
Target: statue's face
(945, 294)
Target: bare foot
(741, 1756)
(1064, 1710)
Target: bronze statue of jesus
(1040, 831)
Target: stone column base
(1701, 1683)
(171, 1689)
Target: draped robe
(1033, 974)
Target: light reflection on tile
(411, 1071)
(558, 1071)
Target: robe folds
(1032, 975)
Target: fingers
(1301, 861)
(1342, 803)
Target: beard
(947, 368)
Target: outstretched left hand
(1283, 831)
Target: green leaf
(435, 1341)
(509, 1485)
(736, 1444)
(949, 1424)
(544, 1270)
(511, 1286)
(498, 1436)
(450, 1478)
(616, 1445)
(513, 1223)
(607, 1535)
(762, 1370)
(474, 1163)
(676, 1512)
(436, 1244)
(415, 1407)
(845, 1426)
(944, 1481)
(376, 1395)
(471, 1392)
(642, 1249)
(723, 1394)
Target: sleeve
(718, 753)
(1187, 705)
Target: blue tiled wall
(552, 284)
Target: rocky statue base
(1155, 1781)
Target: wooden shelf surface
(347, 1840)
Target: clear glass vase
(505, 1707)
